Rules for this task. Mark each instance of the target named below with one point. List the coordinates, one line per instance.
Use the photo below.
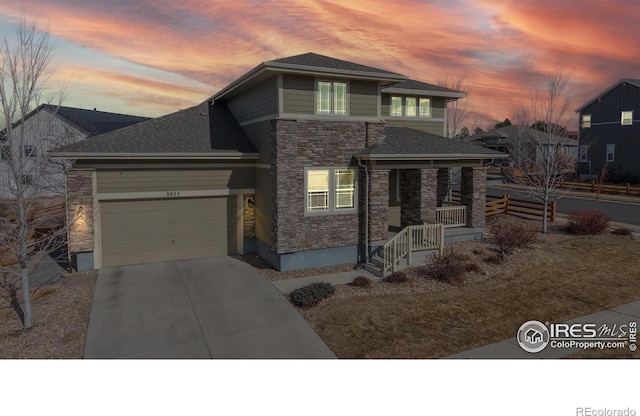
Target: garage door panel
(161, 230)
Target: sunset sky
(152, 57)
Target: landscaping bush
(472, 267)
(586, 222)
(312, 294)
(361, 281)
(447, 267)
(397, 277)
(493, 259)
(510, 233)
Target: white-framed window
(411, 110)
(583, 152)
(28, 150)
(626, 118)
(586, 121)
(330, 190)
(425, 107)
(611, 152)
(332, 98)
(5, 153)
(396, 106)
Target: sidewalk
(620, 315)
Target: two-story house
(609, 132)
(306, 160)
(45, 128)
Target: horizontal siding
(364, 99)
(260, 101)
(430, 126)
(437, 105)
(263, 206)
(298, 94)
(260, 135)
(173, 180)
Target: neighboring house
(45, 128)
(524, 144)
(306, 160)
(610, 132)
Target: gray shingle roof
(199, 129)
(321, 61)
(411, 142)
(411, 84)
(506, 135)
(97, 122)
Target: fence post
(593, 186)
(626, 192)
(553, 211)
(506, 204)
(441, 242)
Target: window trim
(613, 153)
(391, 113)
(332, 112)
(415, 107)
(630, 118)
(586, 121)
(583, 155)
(332, 199)
(31, 153)
(429, 113)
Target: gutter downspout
(366, 209)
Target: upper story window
(586, 121)
(29, 150)
(330, 190)
(411, 107)
(396, 106)
(332, 98)
(627, 118)
(425, 107)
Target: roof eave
(435, 93)
(154, 156)
(314, 70)
(605, 92)
(446, 156)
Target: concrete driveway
(215, 307)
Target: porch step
(373, 269)
(418, 258)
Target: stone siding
(80, 210)
(378, 205)
(300, 144)
(249, 216)
(473, 193)
(418, 196)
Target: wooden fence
(513, 206)
(593, 186)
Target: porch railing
(452, 215)
(412, 238)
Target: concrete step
(374, 270)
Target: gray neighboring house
(47, 127)
(306, 160)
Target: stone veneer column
(418, 196)
(378, 204)
(443, 185)
(80, 210)
(249, 216)
(473, 190)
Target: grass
(558, 282)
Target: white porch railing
(452, 216)
(412, 238)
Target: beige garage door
(134, 232)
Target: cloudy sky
(152, 57)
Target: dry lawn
(559, 279)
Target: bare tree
(542, 159)
(28, 225)
(456, 109)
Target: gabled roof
(506, 135)
(411, 86)
(632, 81)
(310, 64)
(407, 143)
(202, 131)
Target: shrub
(493, 259)
(622, 231)
(361, 281)
(447, 267)
(312, 294)
(472, 267)
(585, 222)
(397, 277)
(508, 234)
